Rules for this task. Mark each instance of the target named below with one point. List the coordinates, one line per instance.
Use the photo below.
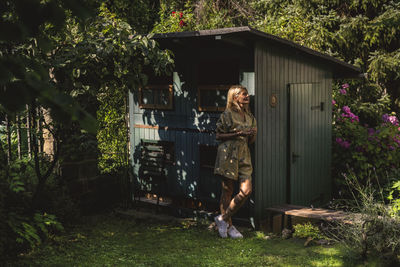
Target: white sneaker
(234, 233)
(222, 226)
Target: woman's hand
(242, 133)
(249, 132)
(252, 136)
(253, 131)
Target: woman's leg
(238, 200)
(226, 196)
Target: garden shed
(174, 117)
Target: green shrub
(22, 228)
(374, 227)
(307, 230)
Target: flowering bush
(174, 21)
(361, 147)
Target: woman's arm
(227, 136)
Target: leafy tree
(139, 14)
(24, 47)
(68, 68)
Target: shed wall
(187, 127)
(275, 70)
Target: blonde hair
(231, 102)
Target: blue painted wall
(187, 129)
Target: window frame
(200, 107)
(169, 106)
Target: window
(158, 94)
(156, 97)
(212, 97)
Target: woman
(236, 128)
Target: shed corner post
(258, 201)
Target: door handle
(295, 157)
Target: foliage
(394, 198)
(20, 228)
(361, 146)
(174, 21)
(24, 50)
(139, 14)
(107, 54)
(374, 227)
(70, 65)
(178, 15)
(32, 230)
(307, 230)
(110, 240)
(113, 132)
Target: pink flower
(346, 85)
(343, 91)
(333, 102)
(371, 131)
(346, 144)
(346, 109)
(392, 119)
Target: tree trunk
(42, 177)
(39, 129)
(9, 150)
(48, 139)
(18, 120)
(28, 131)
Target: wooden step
(311, 213)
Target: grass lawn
(107, 240)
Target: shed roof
(341, 69)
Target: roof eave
(341, 69)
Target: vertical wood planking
(267, 164)
(274, 69)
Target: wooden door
(307, 156)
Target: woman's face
(243, 98)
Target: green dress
(233, 156)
